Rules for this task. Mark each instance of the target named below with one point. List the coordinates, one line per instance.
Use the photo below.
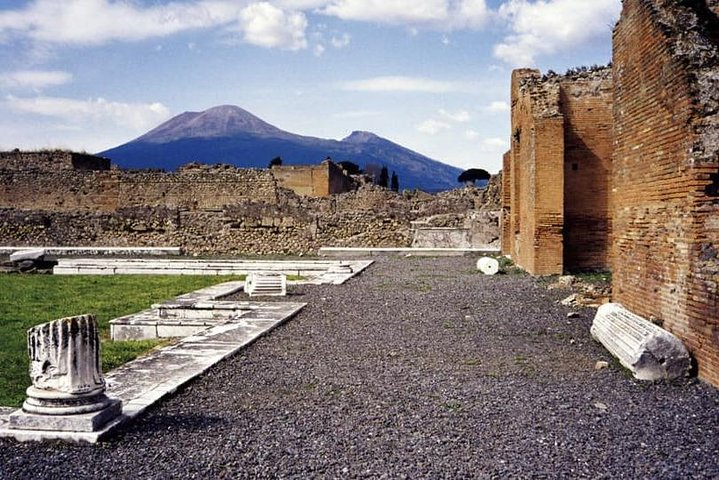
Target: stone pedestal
(68, 390)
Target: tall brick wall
(586, 104)
(557, 181)
(537, 160)
(666, 171)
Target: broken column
(68, 389)
(648, 351)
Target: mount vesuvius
(229, 134)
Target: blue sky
(432, 75)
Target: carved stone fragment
(650, 352)
(68, 389)
(488, 265)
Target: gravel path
(418, 368)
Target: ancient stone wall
(192, 187)
(557, 173)
(51, 160)
(666, 171)
(216, 209)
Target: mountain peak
(216, 122)
(359, 136)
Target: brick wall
(313, 180)
(557, 173)
(666, 171)
(536, 162)
(586, 104)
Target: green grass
(29, 300)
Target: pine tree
(394, 185)
(383, 177)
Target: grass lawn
(29, 300)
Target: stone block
(32, 255)
(647, 350)
(266, 284)
(82, 422)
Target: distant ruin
(65, 198)
(620, 170)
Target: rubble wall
(51, 160)
(217, 210)
(666, 171)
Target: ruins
(619, 169)
(63, 198)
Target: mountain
(229, 134)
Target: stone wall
(666, 171)
(51, 160)
(192, 187)
(216, 210)
(557, 173)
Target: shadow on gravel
(173, 424)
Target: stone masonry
(215, 209)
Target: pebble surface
(417, 368)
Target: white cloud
(138, 116)
(400, 84)
(548, 26)
(318, 50)
(498, 106)
(460, 116)
(265, 25)
(434, 14)
(96, 22)
(433, 127)
(341, 41)
(34, 79)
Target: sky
(431, 75)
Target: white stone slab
(20, 255)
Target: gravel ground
(418, 368)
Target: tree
(383, 178)
(350, 168)
(472, 175)
(275, 162)
(394, 184)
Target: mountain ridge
(230, 134)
